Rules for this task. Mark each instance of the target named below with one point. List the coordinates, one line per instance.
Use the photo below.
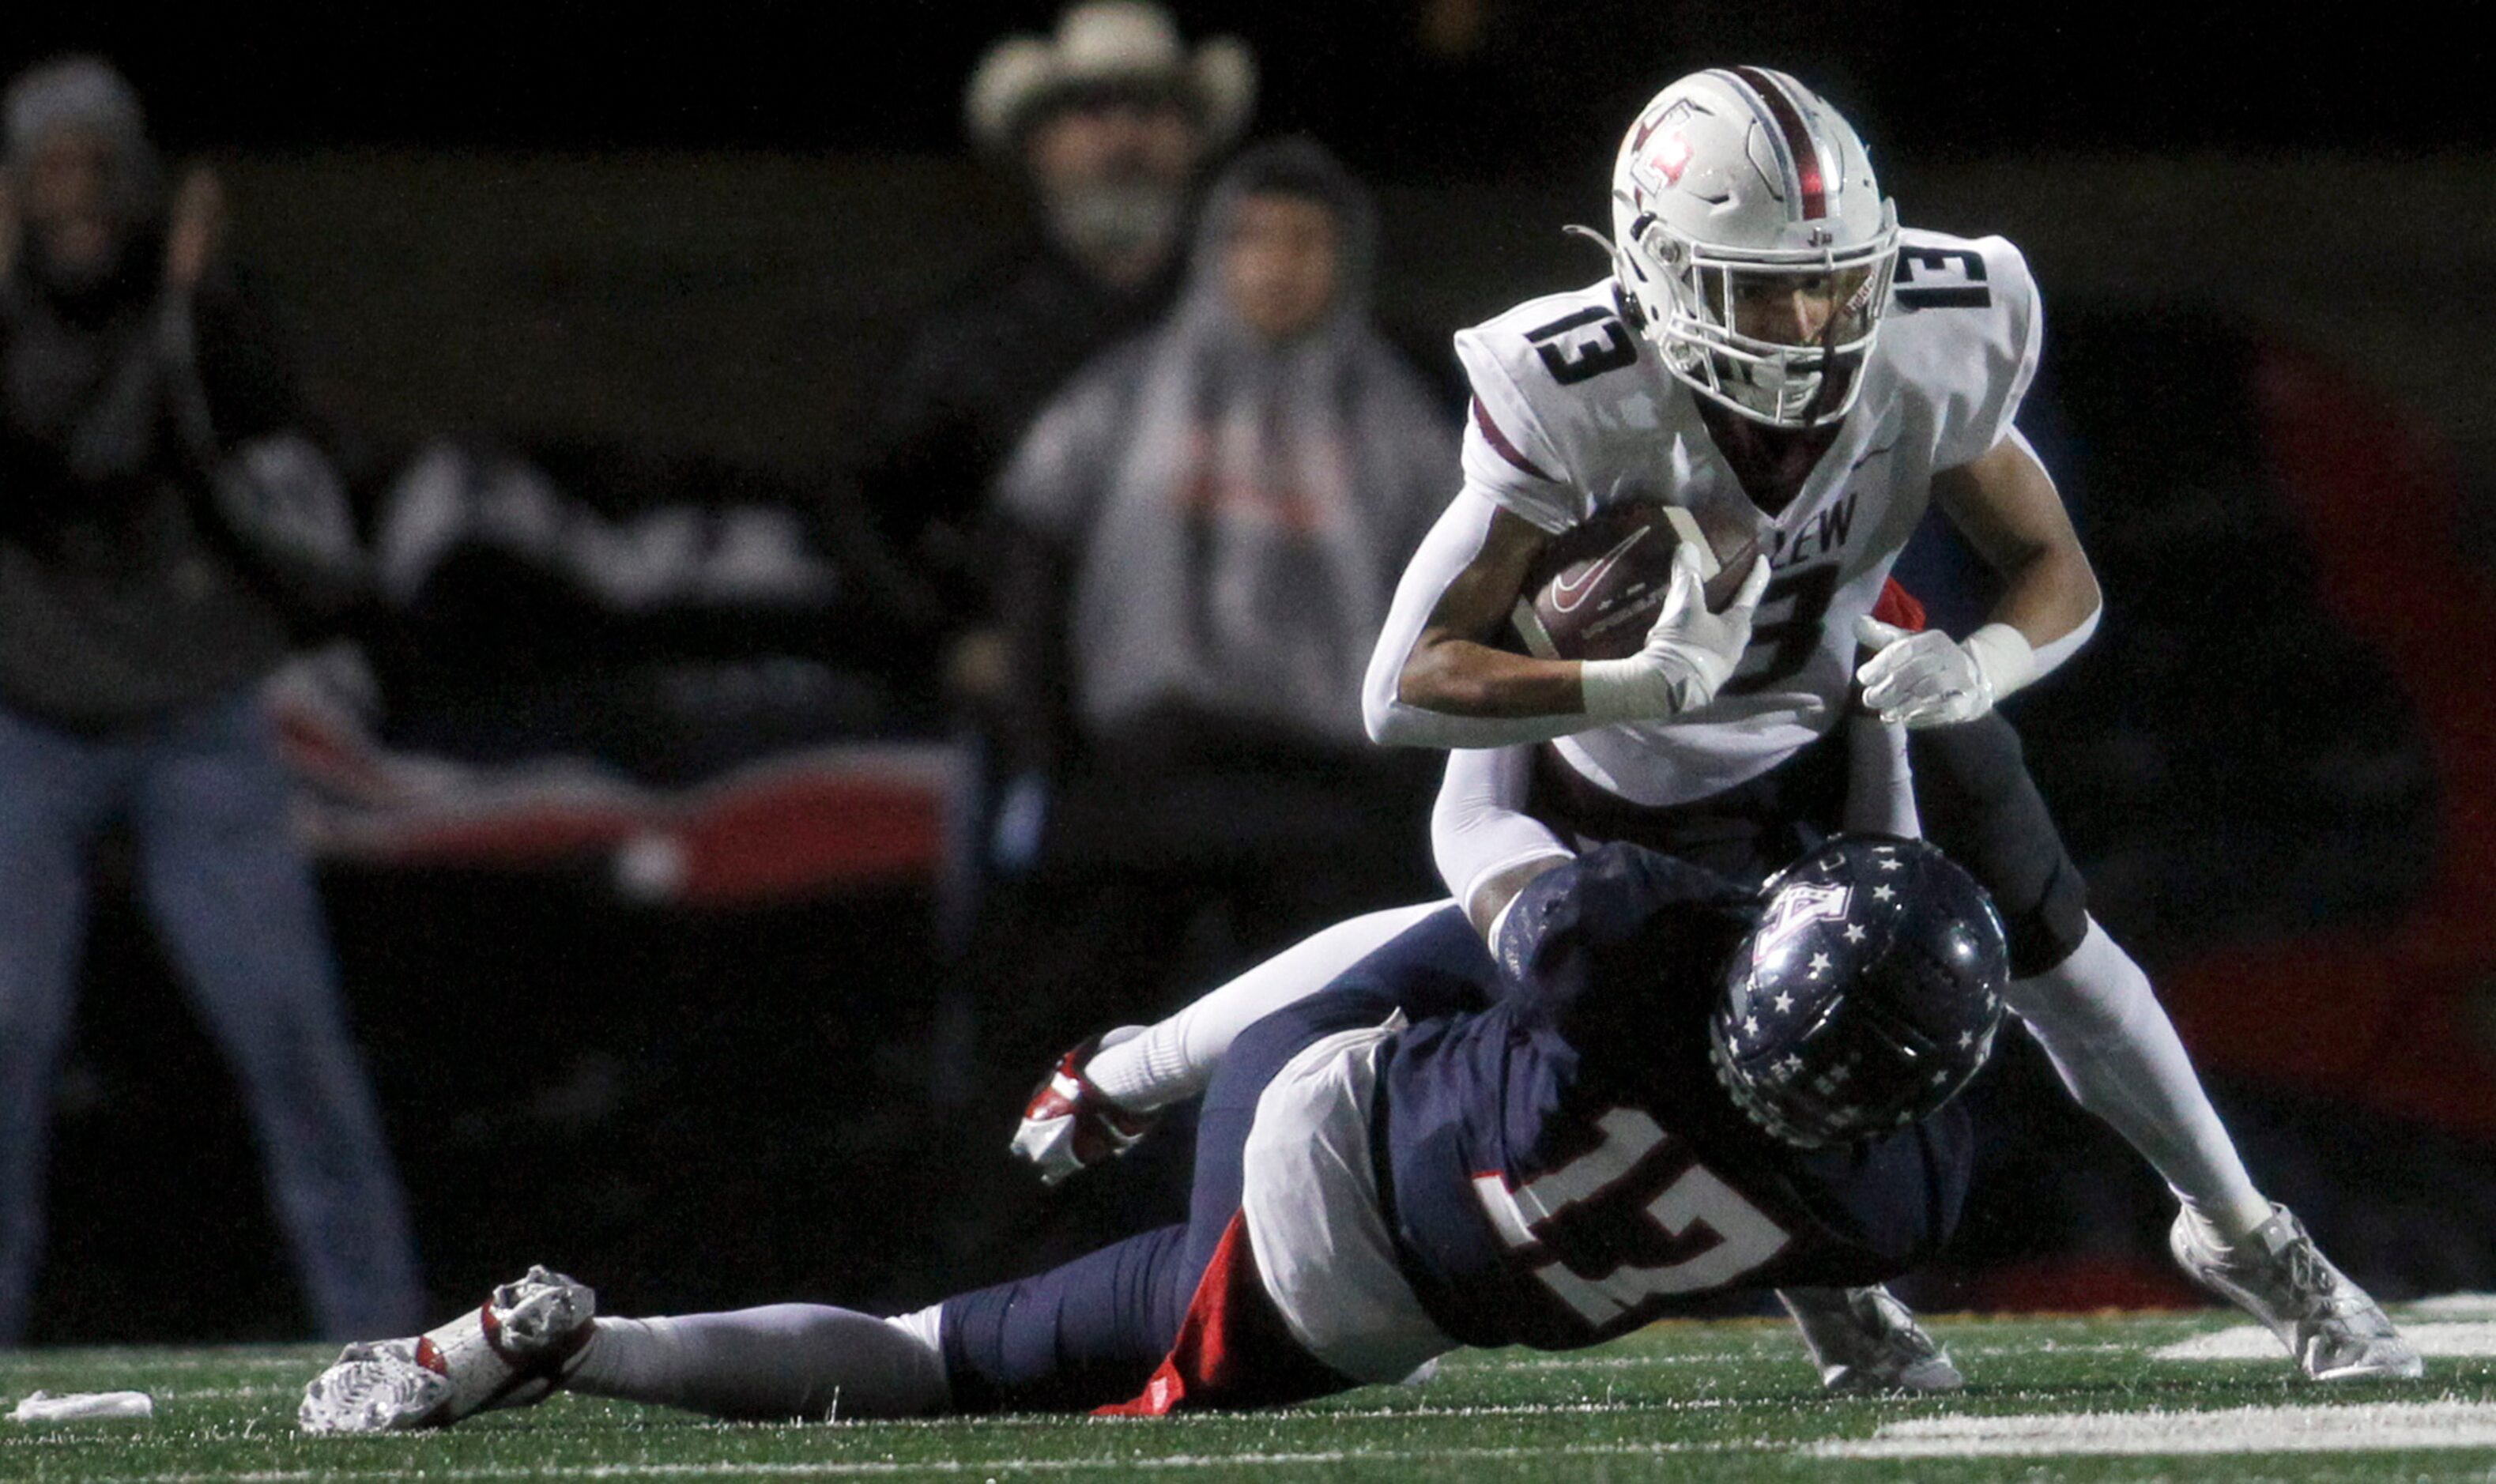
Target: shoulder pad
(1963, 334)
(1552, 379)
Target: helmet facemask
(1781, 340)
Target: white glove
(1929, 679)
(1688, 654)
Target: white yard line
(986, 1467)
(2362, 1427)
(2252, 1342)
(22, 1372)
(1624, 1362)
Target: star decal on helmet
(1830, 1034)
(1798, 906)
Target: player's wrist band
(2003, 658)
(1641, 688)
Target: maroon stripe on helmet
(1798, 140)
(1501, 445)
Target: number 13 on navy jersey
(1615, 1198)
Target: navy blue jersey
(1557, 1162)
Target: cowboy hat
(1109, 43)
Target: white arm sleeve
(1174, 1058)
(1880, 790)
(1479, 826)
(1451, 546)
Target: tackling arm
(1486, 847)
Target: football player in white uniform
(1776, 355)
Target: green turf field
(2048, 1400)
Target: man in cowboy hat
(1109, 123)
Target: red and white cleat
(512, 1351)
(1069, 1125)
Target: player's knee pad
(2054, 924)
(1980, 805)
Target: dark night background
(700, 223)
(1515, 87)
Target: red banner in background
(817, 820)
(2402, 1022)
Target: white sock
(1174, 1058)
(778, 1362)
(2101, 1024)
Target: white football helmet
(1749, 232)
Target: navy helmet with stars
(1866, 996)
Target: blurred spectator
(667, 612)
(1205, 529)
(1109, 124)
(140, 608)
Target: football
(1595, 590)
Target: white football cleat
(1863, 1340)
(512, 1351)
(2336, 1332)
(1069, 1124)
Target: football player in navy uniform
(1774, 353)
(1671, 1086)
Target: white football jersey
(1574, 411)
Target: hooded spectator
(142, 405)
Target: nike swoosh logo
(1869, 457)
(1571, 588)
